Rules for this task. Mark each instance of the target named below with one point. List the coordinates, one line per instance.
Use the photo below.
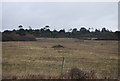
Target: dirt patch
(58, 46)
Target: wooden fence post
(63, 63)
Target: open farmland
(38, 57)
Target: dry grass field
(39, 59)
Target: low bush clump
(76, 73)
(17, 37)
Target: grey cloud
(60, 14)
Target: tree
(46, 27)
(96, 30)
(104, 30)
(55, 31)
(84, 30)
(74, 30)
(62, 31)
(47, 31)
(21, 30)
(42, 30)
(20, 27)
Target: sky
(60, 15)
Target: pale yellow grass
(39, 56)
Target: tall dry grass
(74, 73)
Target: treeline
(83, 33)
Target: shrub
(17, 37)
(76, 73)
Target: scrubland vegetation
(82, 33)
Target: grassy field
(38, 57)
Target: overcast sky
(60, 15)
